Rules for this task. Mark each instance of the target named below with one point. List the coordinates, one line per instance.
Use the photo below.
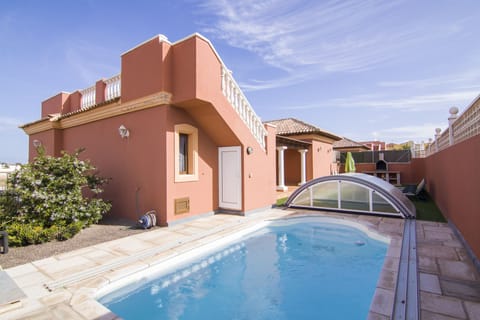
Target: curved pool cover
(353, 192)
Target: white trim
(160, 37)
(236, 204)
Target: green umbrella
(349, 163)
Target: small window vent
(182, 205)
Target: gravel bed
(104, 231)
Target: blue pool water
(302, 269)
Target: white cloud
(332, 36)
(422, 102)
(472, 75)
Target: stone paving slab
(430, 283)
(449, 281)
(473, 310)
(467, 290)
(10, 292)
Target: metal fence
(374, 156)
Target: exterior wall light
(36, 143)
(124, 133)
(249, 150)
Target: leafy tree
(47, 199)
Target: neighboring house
(173, 131)
(346, 145)
(5, 170)
(304, 152)
(374, 145)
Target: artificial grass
(427, 210)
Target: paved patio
(64, 286)
(449, 282)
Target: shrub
(46, 200)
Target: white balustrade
(465, 126)
(88, 97)
(240, 104)
(112, 88)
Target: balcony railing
(112, 88)
(112, 91)
(88, 97)
(230, 89)
(239, 102)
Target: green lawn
(427, 210)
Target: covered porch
(291, 163)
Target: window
(183, 153)
(186, 153)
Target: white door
(230, 178)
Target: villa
(175, 122)
(176, 134)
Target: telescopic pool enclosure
(353, 192)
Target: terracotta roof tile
(292, 126)
(347, 143)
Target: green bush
(46, 199)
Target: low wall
(453, 178)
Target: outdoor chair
(417, 191)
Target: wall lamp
(249, 150)
(36, 143)
(123, 132)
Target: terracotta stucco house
(304, 152)
(346, 145)
(175, 134)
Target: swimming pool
(302, 268)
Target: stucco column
(281, 169)
(303, 166)
(453, 116)
(437, 137)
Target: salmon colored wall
(54, 104)
(291, 163)
(73, 102)
(417, 171)
(51, 141)
(146, 69)
(100, 91)
(142, 166)
(203, 194)
(321, 157)
(453, 182)
(184, 68)
(135, 164)
(318, 161)
(259, 185)
(195, 59)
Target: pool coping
(406, 294)
(72, 293)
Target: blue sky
(385, 70)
